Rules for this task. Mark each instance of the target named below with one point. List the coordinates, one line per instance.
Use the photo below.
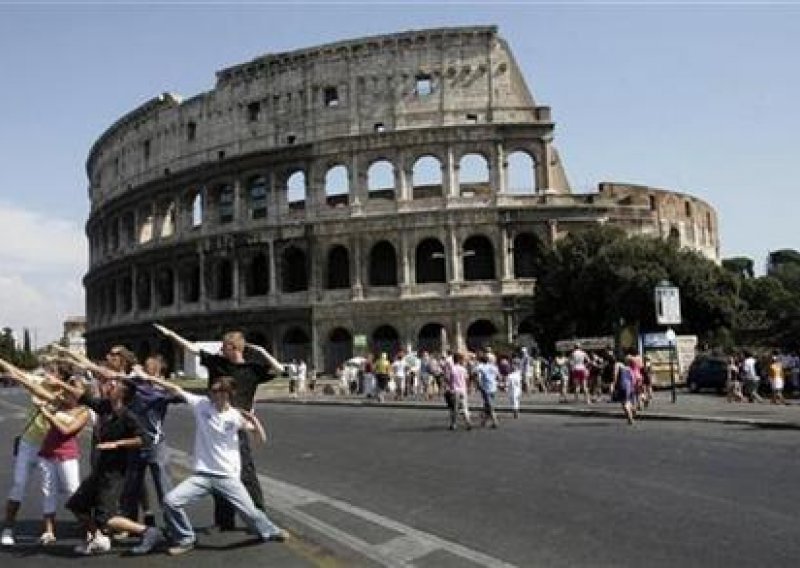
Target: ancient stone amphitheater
(368, 194)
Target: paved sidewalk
(694, 407)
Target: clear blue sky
(700, 99)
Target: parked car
(708, 373)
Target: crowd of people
(592, 376)
(125, 405)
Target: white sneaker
(151, 538)
(100, 544)
(8, 537)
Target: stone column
(498, 169)
(543, 177)
(460, 343)
(201, 263)
(453, 249)
(405, 272)
(273, 276)
(450, 175)
(235, 288)
(239, 213)
(358, 186)
(403, 179)
(273, 199)
(134, 291)
(358, 287)
(506, 254)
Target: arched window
(295, 345)
(168, 218)
(294, 271)
(383, 265)
(338, 349)
(257, 194)
(190, 284)
(431, 338)
(165, 287)
(126, 293)
(146, 224)
(380, 180)
(197, 209)
(337, 186)
(427, 177)
(224, 195)
(480, 334)
(224, 280)
(143, 290)
(257, 283)
(521, 173)
(338, 268)
(473, 175)
(478, 256)
(527, 253)
(296, 190)
(385, 339)
(430, 262)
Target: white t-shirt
(578, 359)
(216, 437)
(399, 369)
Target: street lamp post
(668, 312)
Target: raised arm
(254, 424)
(83, 362)
(277, 365)
(70, 428)
(165, 384)
(27, 381)
(184, 343)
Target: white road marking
(396, 552)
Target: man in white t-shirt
(217, 466)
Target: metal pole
(672, 372)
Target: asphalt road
(539, 491)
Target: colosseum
(369, 194)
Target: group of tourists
(455, 376)
(750, 376)
(125, 405)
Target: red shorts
(580, 375)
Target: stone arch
(294, 270)
(295, 344)
(430, 261)
(430, 338)
(190, 283)
(337, 185)
(480, 333)
(473, 173)
(165, 286)
(383, 264)
(143, 290)
(223, 198)
(426, 177)
(381, 182)
(478, 261)
(223, 279)
(257, 275)
(338, 268)
(296, 191)
(338, 349)
(527, 251)
(386, 339)
(257, 196)
(521, 172)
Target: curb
(767, 423)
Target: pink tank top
(59, 447)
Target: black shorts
(98, 496)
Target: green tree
(739, 265)
(596, 279)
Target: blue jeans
(155, 460)
(199, 485)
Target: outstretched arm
(165, 384)
(254, 424)
(83, 362)
(277, 365)
(68, 428)
(184, 343)
(27, 381)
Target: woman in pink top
(456, 394)
(60, 453)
